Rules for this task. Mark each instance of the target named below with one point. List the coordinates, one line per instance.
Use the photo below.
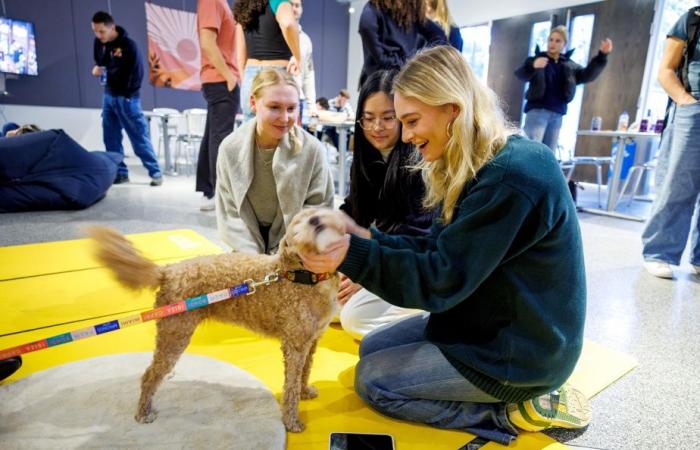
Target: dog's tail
(118, 254)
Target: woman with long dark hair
(392, 31)
(385, 191)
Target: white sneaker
(697, 269)
(658, 269)
(207, 204)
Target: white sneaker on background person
(659, 269)
(207, 204)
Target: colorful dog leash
(247, 287)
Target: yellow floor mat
(67, 290)
(599, 367)
(18, 261)
(59, 282)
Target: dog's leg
(294, 361)
(172, 338)
(308, 391)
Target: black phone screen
(360, 441)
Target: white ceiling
(473, 12)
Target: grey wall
(64, 47)
(626, 22)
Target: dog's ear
(286, 245)
(283, 244)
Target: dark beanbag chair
(48, 170)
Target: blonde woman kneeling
(501, 273)
(269, 169)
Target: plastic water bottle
(623, 122)
(103, 75)
(644, 124)
(304, 113)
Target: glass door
(477, 40)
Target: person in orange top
(220, 87)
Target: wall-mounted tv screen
(17, 47)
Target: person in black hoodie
(553, 77)
(117, 55)
(392, 31)
(385, 191)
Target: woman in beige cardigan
(269, 169)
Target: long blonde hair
(441, 15)
(272, 76)
(440, 76)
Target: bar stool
(638, 170)
(187, 150)
(598, 162)
(173, 126)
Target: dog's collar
(306, 277)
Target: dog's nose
(314, 220)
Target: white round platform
(204, 403)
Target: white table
(621, 138)
(343, 129)
(164, 118)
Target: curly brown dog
(296, 314)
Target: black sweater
(386, 45)
(391, 215)
(504, 281)
(122, 59)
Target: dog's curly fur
(296, 314)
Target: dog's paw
(308, 392)
(293, 424)
(146, 417)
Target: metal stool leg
(632, 171)
(642, 170)
(599, 177)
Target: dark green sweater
(504, 281)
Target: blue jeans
(543, 125)
(672, 219)
(251, 70)
(402, 375)
(121, 113)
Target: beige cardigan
(302, 176)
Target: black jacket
(386, 45)
(568, 76)
(388, 214)
(122, 59)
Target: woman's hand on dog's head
(328, 261)
(353, 228)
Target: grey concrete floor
(655, 320)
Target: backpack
(693, 27)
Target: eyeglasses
(386, 123)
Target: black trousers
(222, 106)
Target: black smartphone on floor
(361, 441)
